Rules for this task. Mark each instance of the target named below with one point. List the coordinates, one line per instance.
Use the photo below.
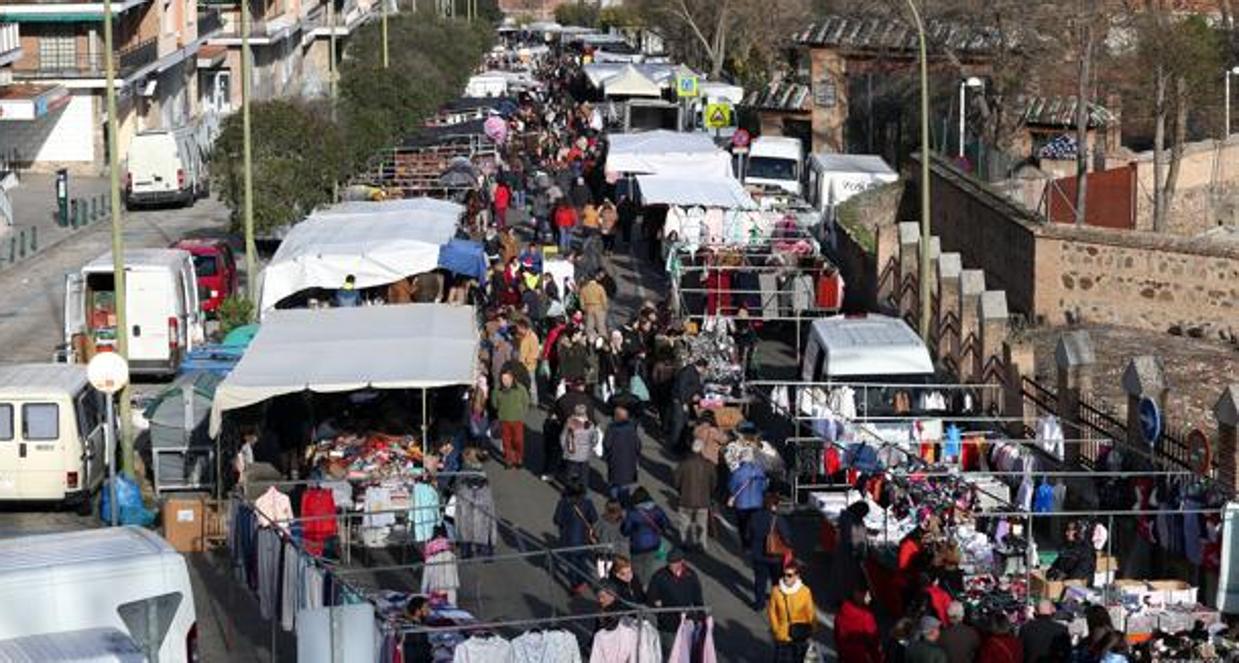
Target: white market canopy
(631, 83)
(662, 73)
(665, 152)
(407, 346)
(377, 242)
(703, 191)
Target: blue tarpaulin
(463, 256)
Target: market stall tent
(725, 192)
(664, 152)
(630, 83)
(408, 346)
(377, 242)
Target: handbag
(638, 389)
(664, 546)
(775, 545)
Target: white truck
(775, 162)
(164, 317)
(166, 166)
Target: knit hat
(675, 555)
(929, 625)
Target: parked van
(123, 578)
(165, 166)
(215, 267)
(52, 426)
(865, 348)
(162, 307)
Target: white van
(93, 645)
(162, 306)
(165, 166)
(51, 434)
(865, 348)
(123, 578)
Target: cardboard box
(1041, 587)
(184, 522)
(1158, 592)
(1107, 570)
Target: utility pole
(331, 79)
(385, 59)
(923, 272)
(251, 250)
(118, 243)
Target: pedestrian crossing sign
(686, 86)
(718, 116)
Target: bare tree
(1086, 31)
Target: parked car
(52, 425)
(216, 269)
(165, 166)
(122, 578)
(161, 306)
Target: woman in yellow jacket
(792, 615)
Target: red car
(216, 269)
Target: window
(89, 412)
(6, 422)
(58, 52)
(40, 421)
(204, 265)
(149, 619)
(772, 168)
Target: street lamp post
(251, 248)
(923, 278)
(974, 83)
(1233, 71)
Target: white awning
(704, 191)
(667, 153)
(376, 242)
(631, 83)
(409, 346)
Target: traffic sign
(718, 115)
(741, 138)
(1150, 420)
(1199, 451)
(686, 86)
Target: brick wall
(1207, 190)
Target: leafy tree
(577, 14)
(296, 152)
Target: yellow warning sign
(718, 116)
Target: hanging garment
(272, 508)
(953, 447)
(1193, 534)
(311, 587)
(268, 572)
(830, 291)
(1043, 499)
(747, 289)
(425, 514)
(802, 292)
(440, 574)
(627, 643)
(484, 649)
(842, 401)
(1023, 498)
(290, 581)
(691, 285)
(1060, 495)
(694, 642)
(972, 452)
(712, 226)
(318, 519)
(547, 646)
(768, 283)
(718, 292)
(674, 222)
(1050, 435)
(475, 513)
(378, 498)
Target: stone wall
(1056, 273)
(1136, 279)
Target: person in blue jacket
(745, 489)
(575, 517)
(645, 525)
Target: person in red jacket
(1001, 646)
(503, 199)
(939, 598)
(856, 630)
(565, 218)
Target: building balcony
(10, 44)
(34, 11)
(89, 65)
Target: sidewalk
(34, 206)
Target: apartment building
(62, 62)
(289, 39)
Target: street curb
(5, 265)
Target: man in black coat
(1042, 635)
(621, 449)
(674, 586)
(687, 385)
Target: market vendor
(1078, 558)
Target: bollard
(94, 209)
(34, 239)
(21, 244)
(71, 221)
(12, 249)
(82, 218)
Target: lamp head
(1234, 70)
(974, 82)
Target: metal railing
(80, 64)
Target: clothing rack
(557, 619)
